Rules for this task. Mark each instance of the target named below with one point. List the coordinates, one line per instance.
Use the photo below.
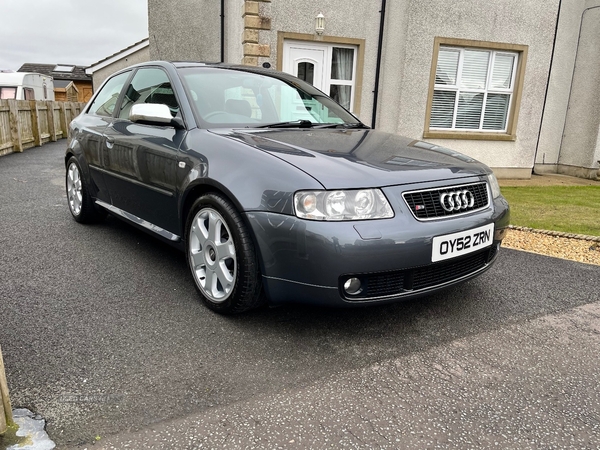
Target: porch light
(320, 24)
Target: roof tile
(78, 73)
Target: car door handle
(109, 142)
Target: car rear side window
(106, 100)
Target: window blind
(473, 89)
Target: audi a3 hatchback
(275, 192)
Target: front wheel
(221, 256)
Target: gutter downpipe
(378, 67)
(222, 30)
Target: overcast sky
(77, 32)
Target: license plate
(462, 243)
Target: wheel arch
(68, 156)
(194, 191)
(74, 150)
(199, 188)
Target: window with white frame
(341, 81)
(475, 89)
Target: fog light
(352, 286)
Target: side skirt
(138, 221)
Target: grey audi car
(275, 192)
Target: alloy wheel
(212, 255)
(74, 192)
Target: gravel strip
(575, 247)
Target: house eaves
(117, 56)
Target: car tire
(221, 256)
(81, 204)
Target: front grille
(493, 252)
(445, 271)
(380, 285)
(387, 284)
(426, 205)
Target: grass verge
(572, 209)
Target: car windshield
(234, 98)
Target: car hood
(346, 158)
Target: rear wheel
(221, 256)
(81, 205)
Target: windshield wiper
(289, 124)
(346, 125)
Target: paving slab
(528, 385)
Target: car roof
(183, 64)
(220, 65)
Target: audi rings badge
(457, 200)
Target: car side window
(149, 85)
(106, 100)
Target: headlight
(359, 204)
(494, 185)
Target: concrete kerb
(549, 179)
(582, 237)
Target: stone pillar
(253, 23)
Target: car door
(140, 160)
(93, 123)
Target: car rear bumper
(308, 261)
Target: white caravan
(26, 86)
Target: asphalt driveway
(103, 334)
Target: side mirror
(153, 114)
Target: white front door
(330, 68)
(305, 62)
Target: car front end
(355, 262)
(396, 218)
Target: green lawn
(572, 209)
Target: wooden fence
(6, 416)
(29, 123)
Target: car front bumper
(308, 261)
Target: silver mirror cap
(150, 112)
